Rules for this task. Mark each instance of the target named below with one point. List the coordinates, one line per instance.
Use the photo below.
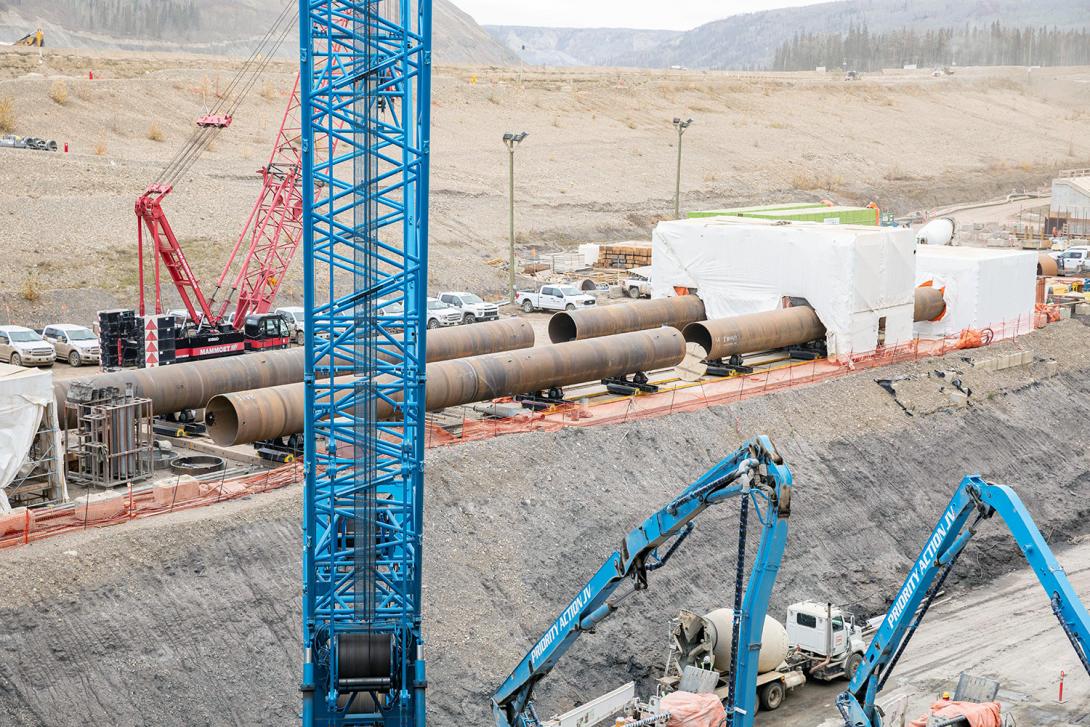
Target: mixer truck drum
(365, 662)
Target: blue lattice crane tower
(366, 92)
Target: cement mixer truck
(820, 642)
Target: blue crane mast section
(365, 76)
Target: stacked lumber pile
(624, 255)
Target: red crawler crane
(268, 241)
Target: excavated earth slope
(194, 619)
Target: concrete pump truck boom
(756, 474)
(973, 501)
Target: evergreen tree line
(993, 45)
(157, 19)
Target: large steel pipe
(1047, 265)
(929, 304)
(249, 416)
(191, 385)
(624, 317)
(727, 337)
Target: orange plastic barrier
(985, 714)
(693, 710)
(110, 507)
(1046, 313)
(972, 338)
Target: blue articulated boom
(975, 500)
(365, 80)
(756, 474)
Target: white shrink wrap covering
(857, 278)
(982, 287)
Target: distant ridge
(750, 40)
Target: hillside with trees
(992, 45)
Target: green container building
(805, 212)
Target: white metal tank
(719, 623)
(936, 232)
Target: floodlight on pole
(681, 126)
(511, 141)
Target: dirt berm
(193, 619)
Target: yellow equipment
(35, 39)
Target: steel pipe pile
(249, 416)
(726, 337)
(190, 385)
(929, 304)
(624, 317)
(1047, 265)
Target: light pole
(512, 140)
(681, 126)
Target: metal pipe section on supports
(929, 304)
(190, 385)
(641, 315)
(250, 416)
(726, 337)
(1047, 265)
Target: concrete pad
(102, 505)
(182, 490)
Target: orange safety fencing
(111, 507)
(677, 396)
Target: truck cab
(472, 308)
(265, 331)
(554, 298)
(638, 282)
(825, 640)
(1074, 260)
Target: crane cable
(232, 97)
(203, 136)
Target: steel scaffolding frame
(365, 82)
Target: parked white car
(471, 306)
(21, 346)
(296, 318)
(441, 315)
(554, 297)
(77, 345)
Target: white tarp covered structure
(982, 287)
(26, 396)
(858, 279)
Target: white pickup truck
(638, 284)
(1074, 260)
(553, 297)
(472, 308)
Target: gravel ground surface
(194, 618)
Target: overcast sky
(674, 15)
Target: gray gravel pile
(195, 620)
